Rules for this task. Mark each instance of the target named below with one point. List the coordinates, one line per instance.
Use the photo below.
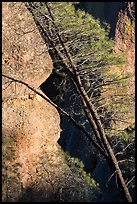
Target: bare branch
(130, 181)
(110, 178)
(123, 150)
(60, 110)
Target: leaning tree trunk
(90, 110)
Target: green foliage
(82, 34)
(93, 56)
(10, 175)
(91, 50)
(129, 29)
(62, 182)
(77, 167)
(124, 143)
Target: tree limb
(60, 110)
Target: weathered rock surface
(31, 123)
(125, 41)
(34, 128)
(24, 54)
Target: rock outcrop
(125, 40)
(30, 122)
(24, 54)
(36, 172)
(125, 44)
(33, 125)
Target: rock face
(34, 128)
(125, 43)
(24, 54)
(31, 123)
(36, 172)
(125, 40)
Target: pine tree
(82, 52)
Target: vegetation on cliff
(86, 54)
(83, 57)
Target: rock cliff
(31, 124)
(124, 42)
(24, 54)
(33, 166)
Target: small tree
(11, 181)
(83, 47)
(82, 53)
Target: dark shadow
(50, 87)
(71, 140)
(36, 195)
(70, 134)
(104, 11)
(69, 188)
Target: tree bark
(89, 108)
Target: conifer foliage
(82, 54)
(86, 56)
